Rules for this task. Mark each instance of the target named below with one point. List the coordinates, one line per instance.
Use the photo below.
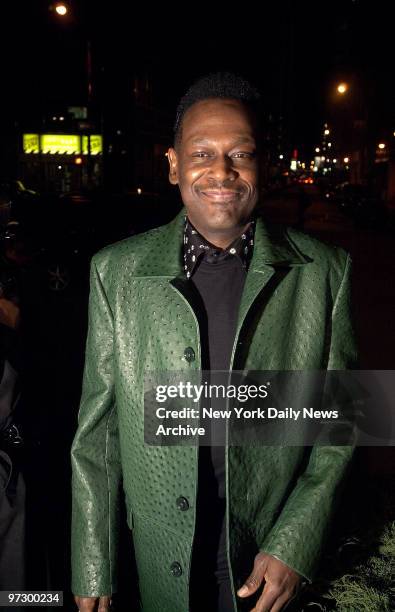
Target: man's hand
(281, 583)
(93, 604)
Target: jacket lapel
(164, 257)
(273, 252)
(272, 248)
(273, 256)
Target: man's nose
(222, 168)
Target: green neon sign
(31, 143)
(63, 144)
(96, 144)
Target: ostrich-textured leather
(294, 315)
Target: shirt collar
(196, 247)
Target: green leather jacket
(279, 500)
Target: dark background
(142, 59)
(295, 52)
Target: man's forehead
(214, 108)
(207, 118)
(206, 138)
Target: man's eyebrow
(238, 141)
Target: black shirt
(218, 275)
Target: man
(228, 528)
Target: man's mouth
(220, 195)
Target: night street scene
(89, 99)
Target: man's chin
(222, 222)
(217, 216)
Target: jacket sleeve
(299, 532)
(96, 471)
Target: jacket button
(182, 503)
(176, 569)
(189, 354)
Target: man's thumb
(104, 604)
(254, 580)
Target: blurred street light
(61, 9)
(326, 132)
(317, 149)
(346, 160)
(342, 88)
(381, 145)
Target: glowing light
(96, 144)
(139, 190)
(61, 9)
(62, 144)
(381, 145)
(317, 149)
(342, 88)
(31, 143)
(346, 160)
(78, 161)
(326, 132)
(281, 156)
(329, 144)
(334, 161)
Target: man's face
(215, 165)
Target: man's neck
(222, 239)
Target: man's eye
(243, 155)
(200, 154)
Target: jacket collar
(273, 247)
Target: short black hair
(217, 85)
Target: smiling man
(214, 162)
(226, 528)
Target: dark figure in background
(12, 485)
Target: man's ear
(173, 166)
